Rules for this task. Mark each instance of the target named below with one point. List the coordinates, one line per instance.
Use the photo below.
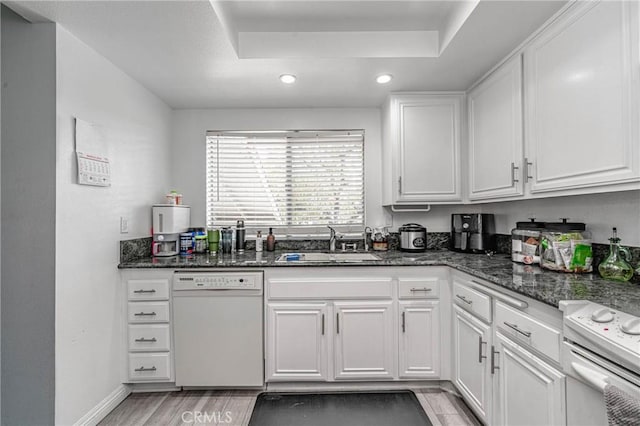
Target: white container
(171, 219)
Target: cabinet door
(528, 391)
(472, 374)
(581, 80)
(296, 341)
(364, 340)
(495, 134)
(419, 355)
(426, 129)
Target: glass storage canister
(525, 242)
(566, 247)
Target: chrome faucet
(332, 239)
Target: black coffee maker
(472, 232)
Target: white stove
(601, 347)
(607, 332)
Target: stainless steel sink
(325, 257)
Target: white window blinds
(297, 182)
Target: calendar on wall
(91, 152)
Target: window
(297, 182)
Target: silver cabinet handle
(513, 174)
(480, 356)
(404, 325)
(146, 369)
(413, 290)
(338, 323)
(400, 185)
(527, 163)
(464, 299)
(144, 291)
(494, 367)
(142, 340)
(516, 328)
(323, 324)
(144, 314)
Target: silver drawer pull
(144, 291)
(515, 327)
(494, 367)
(146, 369)
(421, 289)
(464, 299)
(145, 314)
(143, 340)
(480, 356)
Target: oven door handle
(595, 379)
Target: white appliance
(169, 221)
(218, 325)
(602, 346)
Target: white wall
(28, 213)
(89, 305)
(190, 128)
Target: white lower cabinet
(355, 324)
(148, 326)
(472, 377)
(297, 342)
(528, 391)
(419, 351)
(364, 340)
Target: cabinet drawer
(416, 288)
(148, 289)
(472, 300)
(148, 312)
(525, 329)
(338, 288)
(149, 366)
(149, 338)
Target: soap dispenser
(616, 266)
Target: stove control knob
(602, 315)
(631, 326)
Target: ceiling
(229, 54)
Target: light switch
(124, 225)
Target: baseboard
(104, 407)
(353, 386)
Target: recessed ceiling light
(288, 78)
(384, 78)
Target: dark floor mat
(399, 408)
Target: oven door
(587, 374)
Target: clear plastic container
(566, 247)
(525, 242)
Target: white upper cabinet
(421, 152)
(581, 100)
(495, 134)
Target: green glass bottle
(616, 266)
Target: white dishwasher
(217, 320)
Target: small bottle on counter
(271, 240)
(259, 241)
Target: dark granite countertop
(545, 286)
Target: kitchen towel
(622, 408)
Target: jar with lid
(525, 242)
(566, 247)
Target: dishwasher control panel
(217, 281)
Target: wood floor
(233, 408)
